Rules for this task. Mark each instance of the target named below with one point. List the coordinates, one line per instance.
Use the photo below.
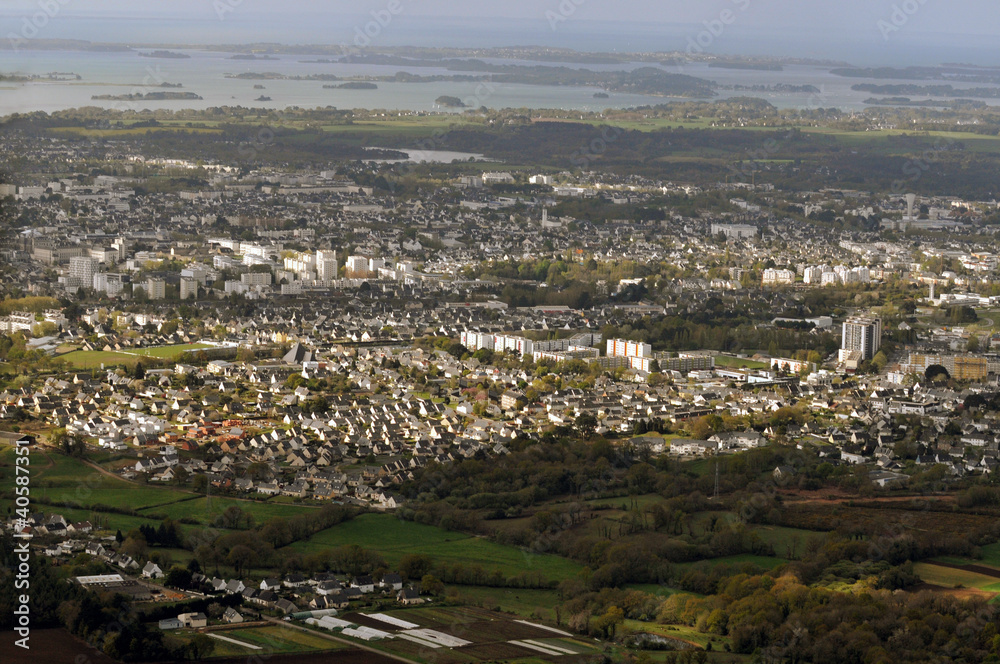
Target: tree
(178, 577)
(431, 585)
(200, 647)
(586, 424)
(607, 624)
(414, 566)
(935, 372)
(973, 345)
(879, 361)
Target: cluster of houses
(293, 594)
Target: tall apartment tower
(862, 334)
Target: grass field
(61, 479)
(731, 362)
(683, 632)
(205, 510)
(130, 131)
(89, 359)
(524, 602)
(281, 639)
(394, 538)
(783, 539)
(953, 578)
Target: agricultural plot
(522, 601)
(956, 577)
(60, 479)
(275, 639)
(463, 634)
(394, 538)
(206, 509)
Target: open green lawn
(205, 510)
(89, 359)
(394, 538)
(61, 479)
(731, 362)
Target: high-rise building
(326, 265)
(862, 334)
(82, 270)
(189, 288)
(156, 289)
(622, 348)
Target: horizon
(871, 34)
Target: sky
(896, 30)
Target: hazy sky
(955, 16)
(839, 28)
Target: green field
(278, 639)
(204, 510)
(273, 639)
(394, 538)
(129, 131)
(682, 632)
(731, 362)
(538, 604)
(954, 578)
(61, 479)
(89, 359)
(990, 557)
(784, 538)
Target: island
(601, 95)
(252, 56)
(751, 66)
(150, 96)
(450, 102)
(262, 98)
(353, 85)
(258, 86)
(167, 55)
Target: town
(237, 384)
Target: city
(698, 381)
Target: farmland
(281, 639)
(471, 635)
(394, 538)
(205, 509)
(60, 479)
